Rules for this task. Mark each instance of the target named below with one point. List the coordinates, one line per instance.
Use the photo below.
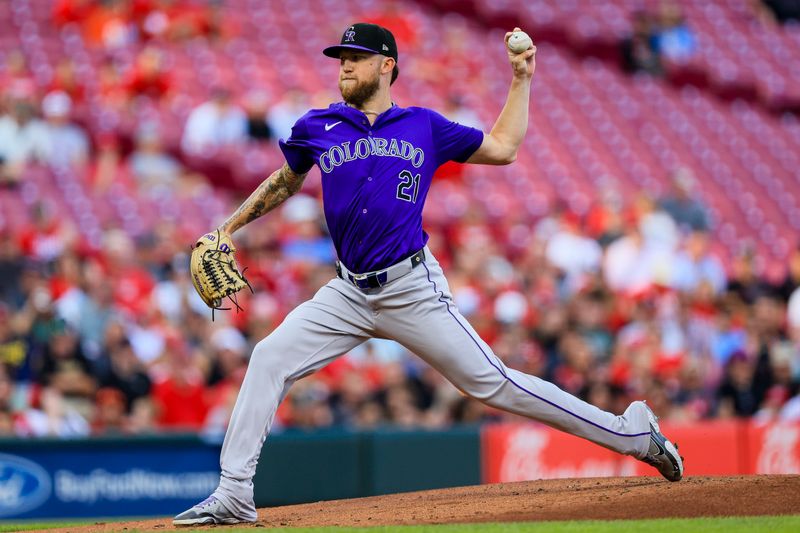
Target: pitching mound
(561, 499)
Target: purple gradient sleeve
(454, 141)
(297, 148)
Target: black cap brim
(335, 50)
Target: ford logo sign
(24, 485)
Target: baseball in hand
(519, 41)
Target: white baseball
(519, 42)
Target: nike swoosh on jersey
(329, 127)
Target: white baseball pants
(417, 311)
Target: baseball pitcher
(377, 160)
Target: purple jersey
(375, 178)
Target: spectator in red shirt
(398, 21)
(65, 79)
(70, 11)
(109, 414)
(148, 77)
(179, 389)
(112, 87)
(48, 237)
(133, 284)
(16, 78)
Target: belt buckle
(360, 280)
(371, 280)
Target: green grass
(35, 526)
(772, 524)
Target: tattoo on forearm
(270, 194)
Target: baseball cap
(367, 38)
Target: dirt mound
(560, 499)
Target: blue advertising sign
(24, 485)
(98, 481)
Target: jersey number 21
(408, 181)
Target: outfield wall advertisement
(57, 479)
(164, 475)
(526, 451)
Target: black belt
(379, 278)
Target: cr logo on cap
(350, 35)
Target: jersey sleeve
(297, 148)
(454, 141)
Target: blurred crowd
(48, 127)
(631, 299)
(627, 301)
(119, 23)
(122, 94)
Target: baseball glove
(214, 272)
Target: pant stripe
(500, 370)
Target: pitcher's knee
(484, 391)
